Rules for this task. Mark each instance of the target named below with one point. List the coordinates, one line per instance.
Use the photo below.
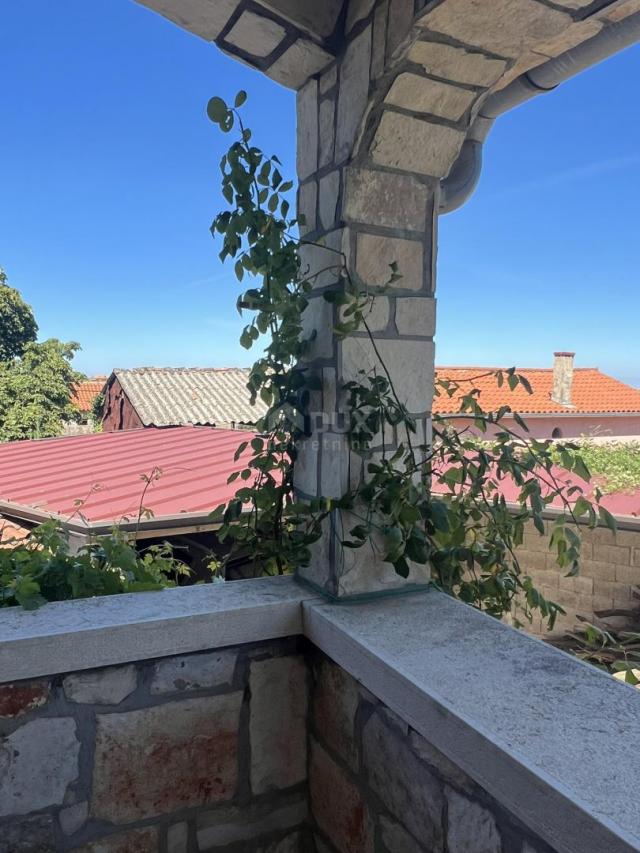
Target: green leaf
(217, 110)
(241, 97)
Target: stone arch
(388, 91)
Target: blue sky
(109, 177)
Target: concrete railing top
(545, 734)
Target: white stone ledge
(552, 739)
(74, 635)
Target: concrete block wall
(189, 753)
(609, 572)
(377, 785)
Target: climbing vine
(433, 501)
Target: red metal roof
(105, 470)
(86, 392)
(592, 391)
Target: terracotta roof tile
(86, 392)
(592, 392)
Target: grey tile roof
(167, 396)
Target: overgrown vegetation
(615, 464)
(468, 535)
(42, 568)
(36, 378)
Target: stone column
(375, 216)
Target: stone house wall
(609, 572)
(210, 752)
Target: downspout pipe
(463, 178)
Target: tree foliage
(35, 391)
(36, 378)
(18, 326)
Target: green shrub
(41, 569)
(616, 465)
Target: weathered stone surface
(301, 61)
(327, 131)
(415, 145)
(353, 93)
(101, 686)
(449, 771)
(318, 318)
(28, 835)
(380, 198)
(508, 28)
(235, 824)
(621, 10)
(317, 18)
(358, 9)
(319, 264)
(409, 364)
(457, 63)
(328, 80)
(408, 789)
(376, 315)
(193, 672)
(135, 841)
(255, 34)
(306, 468)
(73, 817)
(423, 95)
(177, 838)
(334, 465)
(307, 129)
(399, 24)
(21, 697)
(416, 316)
(375, 255)
(37, 763)
(337, 805)
(396, 838)
(569, 38)
(574, 4)
(329, 189)
(294, 843)
(277, 723)
(157, 760)
(201, 17)
(379, 39)
(470, 826)
(335, 702)
(307, 202)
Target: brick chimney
(562, 378)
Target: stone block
(507, 28)
(334, 465)
(410, 364)
(416, 316)
(423, 95)
(400, 20)
(307, 129)
(317, 323)
(604, 571)
(627, 574)
(395, 838)
(320, 265)
(238, 824)
(570, 38)
(297, 842)
(328, 80)
(375, 255)
(574, 4)
(193, 672)
(353, 93)
(376, 314)
(335, 702)
(415, 145)
(157, 760)
(379, 40)
(20, 697)
(178, 838)
(73, 817)
(470, 826)
(387, 200)
(457, 63)
(409, 790)
(201, 17)
(327, 131)
(134, 841)
(337, 805)
(29, 835)
(101, 686)
(302, 60)
(358, 9)
(277, 723)
(622, 9)
(38, 761)
(317, 18)
(618, 554)
(445, 768)
(329, 190)
(306, 468)
(255, 34)
(307, 201)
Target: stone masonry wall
(609, 572)
(377, 785)
(199, 752)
